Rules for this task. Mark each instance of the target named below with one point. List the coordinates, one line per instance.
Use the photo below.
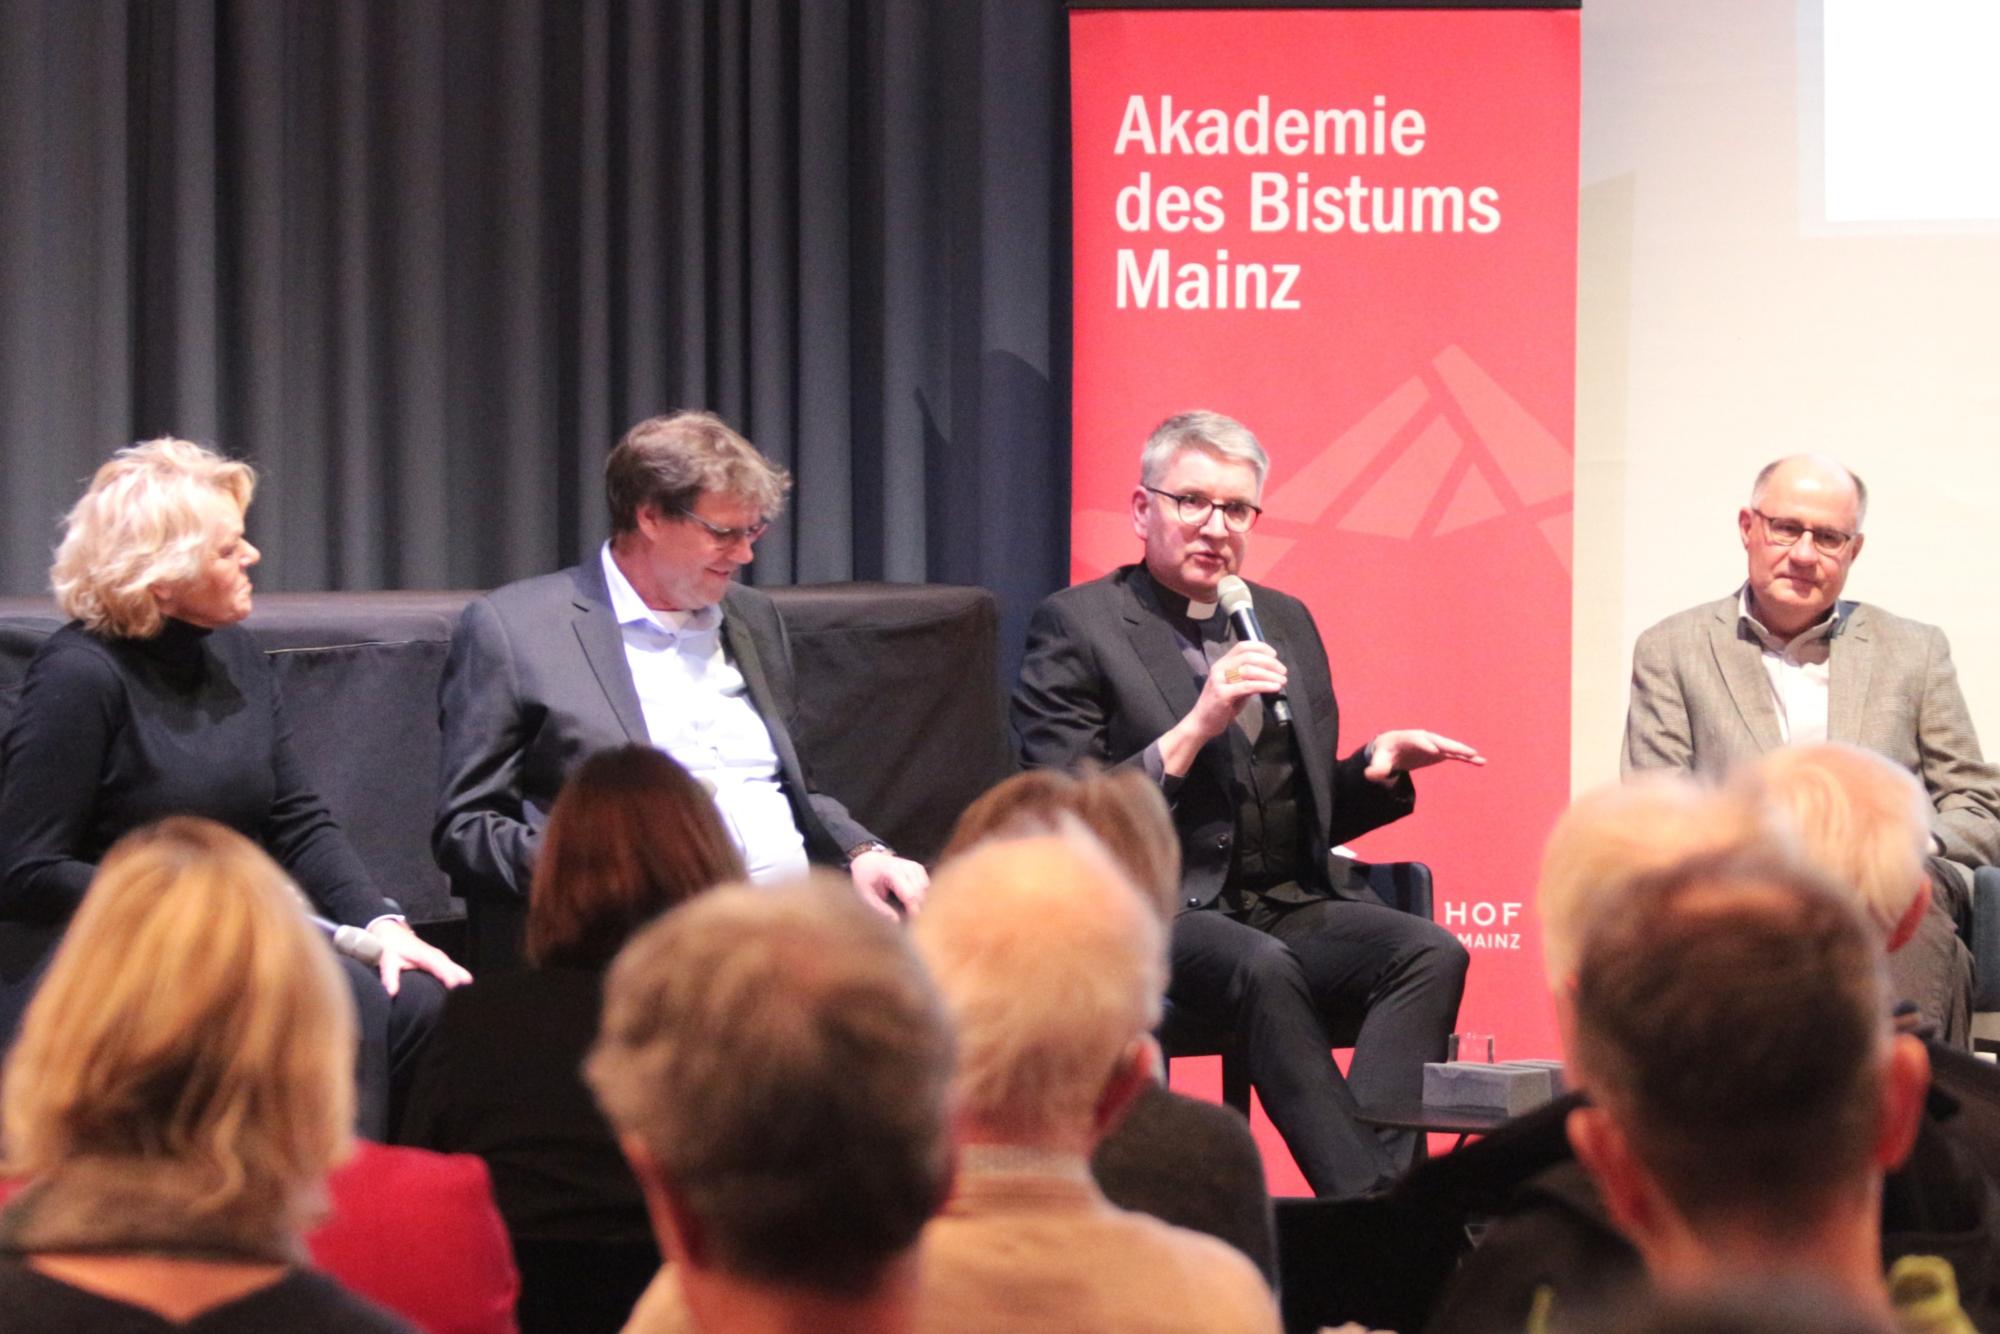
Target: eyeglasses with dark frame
(728, 537)
(1237, 515)
(1787, 532)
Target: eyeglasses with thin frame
(1787, 532)
(1237, 515)
(728, 537)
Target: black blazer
(536, 682)
(1103, 678)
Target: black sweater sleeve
(52, 761)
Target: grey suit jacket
(536, 682)
(1701, 702)
(1103, 677)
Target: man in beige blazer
(1786, 660)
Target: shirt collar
(1021, 1160)
(1825, 627)
(1181, 608)
(630, 609)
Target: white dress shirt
(1798, 672)
(699, 711)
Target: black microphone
(1234, 596)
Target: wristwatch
(872, 845)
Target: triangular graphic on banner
(1473, 502)
(1396, 502)
(1559, 531)
(1305, 495)
(1263, 556)
(1533, 460)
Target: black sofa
(900, 709)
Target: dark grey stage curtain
(423, 260)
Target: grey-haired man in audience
(775, 1062)
(1052, 969)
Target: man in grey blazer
(1786, 660)
(650, 640)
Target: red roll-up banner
(1354, 230)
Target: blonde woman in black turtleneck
(153, 701)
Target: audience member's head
(1857, 818)
(631, 836)
(191, 1050)
(1730, 1023)
(1052, 966)
(1122, 808)
(1617, 834)
(776, 1062)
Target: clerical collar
(1176, 605)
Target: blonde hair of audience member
(192, 1045)
(1616, 834)
(1859, 819)
(139, 528)
(776, 1062)
(1052, 967)
(1123, 809)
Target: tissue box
(1512, 1087)
(1557, 1085)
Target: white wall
(1719, 326)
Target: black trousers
(1290, 983)
(393, 1032)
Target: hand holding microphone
(1250, 667)
(1234, 597)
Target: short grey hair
(1052, 966)
(1859, 818)
(1615, 835)
(785, 1060)
(1200, 430)
(1764, 474)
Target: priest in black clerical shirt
(1272, 942)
